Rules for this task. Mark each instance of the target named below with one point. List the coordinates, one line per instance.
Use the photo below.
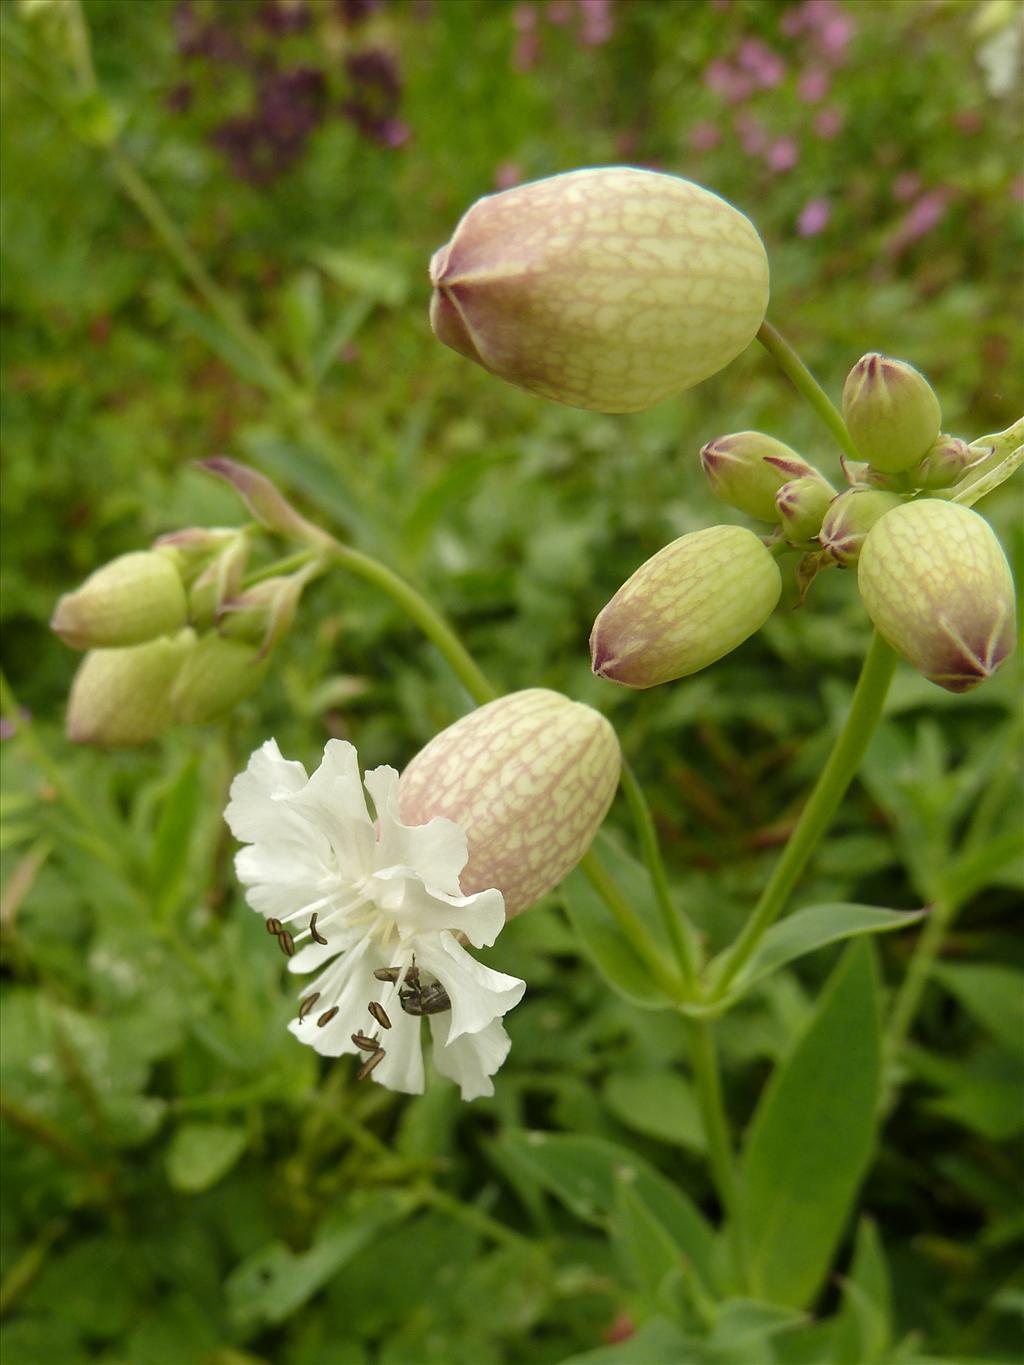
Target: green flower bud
(122, 696)
(218, 583)
(948, 461)
(264, 613)
(849, 518)
(528, 779)
(801, 505)
(265, 501)
(937, 586)
(891, 411)
(215, 677)
(687, 606)
(748, 468)
(611, 288)
(191, 550)
(134, 598)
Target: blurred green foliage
(183, 1183)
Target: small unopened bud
(849, 518)
(134, 598)
(219, 582)
(945, 464)
(264, 613)
(748, 468)
(937, 586)
(215, 677)
(192, 548)
(264, 500)
(690, 604)
(122, 696)
(891, 411)
(801, 506)
(528, 779)
(611, 288)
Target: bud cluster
(171, 633)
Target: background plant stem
(707, 1080)
(796, 371)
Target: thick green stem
(797, 372)
(707, 1079)
(829, 790)
(678, 927)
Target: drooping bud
(748, 468)
(528, 779)
(265, 500)
(937, 586)
(801, 505)
(947, 462)
(219, 582)
(134, 598)
(121, 697)
(611, 288)
(849, 518)
(215, 677)
(192, 548)
(264, 613)
(688, 605)
(891, 411)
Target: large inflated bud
(891, 411)
(848, 520)
(529, 779)
(123, 696)
(134, 598)
(610, 289)
(937, 586)
(690, 604)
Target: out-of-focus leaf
(384, 281)
(992, 993)
(200, 1154)
(811, 1137)
(984, 1092)
(179, 814)
(659, 1104)
(863, 1329)
(658, 1342)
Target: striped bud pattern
(936, 584)
(528, 779)
(687, 606)
(611, 288)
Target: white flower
(385, 897)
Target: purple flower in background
(281, 18)
(213, 41)
(527, 49)
(507, 174)
(1017, 189)
(724, 79)
(829, 123)
(753, 135)
(783, 155)
(260, 146)
(596, 22)
(704, 136)
(558, 12)
(924, 214)
(813, 84)
(9, 727)
(373, 103)
(765, 66)
(905, 186)
(355, 12)
(814, 217)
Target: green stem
(797, 372)
(434, 626)
(707, 1078)
(470, 1215)
(676, 924)
(926, 950)
(829, 790)
(632, 926)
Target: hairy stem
(829, 790)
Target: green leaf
(200, 1154)
(808, 930)
(583, 1173)
(811, 1138)
(992, 993)
(984, 1092)
(383, 281)
(658, 1342)
(863, 1329)
(649, 1254)
(659, 1104)
(168, 861)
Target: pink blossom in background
(765, 66)
(1017, 189)
(905, 186)
(527, 52)
(524, 17)
(558, 12)
(813, 84)
(814, 217)
(924, 215)
(704, 136)
(753, 135)
(507, 174)
(724, 79)
(828, 123)
(783, 155)
(721, 5)
(596, 22)
(969, 121)
(833, 37)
